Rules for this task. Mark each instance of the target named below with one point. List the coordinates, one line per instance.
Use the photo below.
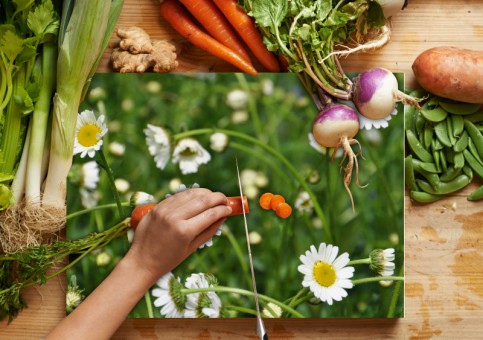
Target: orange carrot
(283, 210)
(265, 200)
(247, 30)
(211, 18)
(179, 19)
(275, 201)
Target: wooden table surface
(443, 241)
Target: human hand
(175, 228)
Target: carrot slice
(179, 19)
(248, 31)
(139, 212)
(275, 201)
(211, 18)
(236, 205)
(283, 210)
(265, 200)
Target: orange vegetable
(275, 201)
(265, 200)
(247, 30)
(283, 210)
(236, 205)
(211, 18)
(178, 17)
(139, 212)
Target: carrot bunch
(269, 201)
(221, 28)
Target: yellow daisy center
(324, 274)
(87, 135)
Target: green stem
(252, 105)
(149, 305)
(395, 296)
(110, 177)
(239, 291)
(301, 292)
(276, 154)
(361, 261)
(239, 254)
(377, 279)
(98, 207)
(243, 310)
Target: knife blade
(260, 326)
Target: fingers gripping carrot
(211, 18)
(247, 30)
(179, 19)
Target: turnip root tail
(382, 39)
(406, 99)
(345, 144)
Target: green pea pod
(450, 174)
(419, 124)
(468, 171)
(428, 133)
(417, 148)
(449, 129)
(441, 130)
(444, 188)
(475, 135)
(473, 163)
(462, 142)
(458, 124)
(428, 167)
(437, 159)
(410, 117)
(435, 115)
(475, 117)
(423, 197)
(442, 161)
(474, 152)
(432, 178)
(476, 194)
(409, 173)
(436, 144)
(459, 160)
(459, 108)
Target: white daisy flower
(90, 175)
(237, 99)
(89, 133)
(218, 141)
(141, 198)
(122, 185)
(73, 296)
(322, 149)
(89, 198)
(117, 149)
(202, 305)
(168, 297)
(159, 145)
(190, 155)
(325, 275)
(382, 261)
(272, 311)
(303, 202)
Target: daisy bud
(117, 149)
(73, 296)
(237, 99)
(272, 311)
(382, 261)
(141, 198)
(103, 259)
(122, 185)
(218, 141)
(153, 86)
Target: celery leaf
(42, 20)
(11, 45)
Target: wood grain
(443, 241)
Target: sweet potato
(451, 72)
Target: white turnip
(335, 126)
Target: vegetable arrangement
(446, 148)
(43, 83)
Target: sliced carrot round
(265, 200)
(275, 201)
(283, 210)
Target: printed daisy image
(89, 133)
(144, 138)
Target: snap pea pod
(475, 117)
(449, 129)
(442, 161)
(409, 178)
(428, 133)
(475, 135)
(458, 124)
(476, 194)
(444, 188)
(441, 130)
(437, 160)
(474, 152)
(423, 197)
(428, 167)
(462, 142)
(459, 160)
(419, 124)
(417, 148)
(468, 171)
(435, 115)
(431, 177)
(450, 174)
(436, 144)
(410, 118)
(473, 163)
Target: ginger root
(131, 55)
